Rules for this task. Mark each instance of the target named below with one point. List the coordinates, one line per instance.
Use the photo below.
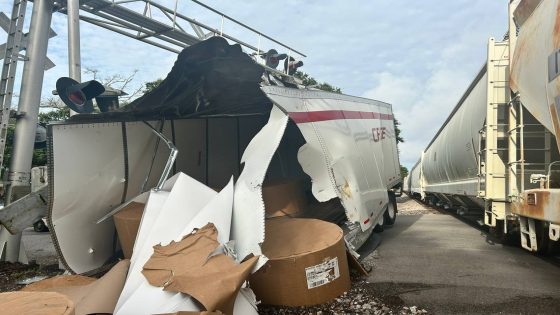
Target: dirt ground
(12, 273)
(361, 299)
(409, 206)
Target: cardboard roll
(307, 263)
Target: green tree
(150, 86)
(397, 130)
(39, 154)
(404, 172)
(308, 80)
(56, 114)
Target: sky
(419, 56)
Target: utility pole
(30, 97)
(74, 59)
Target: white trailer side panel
(350, 151)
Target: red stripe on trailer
(366, 221)
(325, 115)
(352, 115)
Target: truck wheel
(390, 215)
(40, 226)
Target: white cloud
(395, 89)
(423, 99)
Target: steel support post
(513, 120)
(74, 59)
(30, 97)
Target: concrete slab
(39, 247)
(446, 266)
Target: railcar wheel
(390, 215)
(510, 238)
(545, 246)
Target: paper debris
(89, 296)
(186, 267)
(47, 303)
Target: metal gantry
(166, 27)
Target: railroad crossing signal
(5, 25)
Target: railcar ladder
(498, 99)
(7, 78)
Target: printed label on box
(323, 273)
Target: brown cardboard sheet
(283, 197)
(44, 303)
(127, 222)
(89, 296)
(59, 281)
(189, 266)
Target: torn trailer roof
(224, 116)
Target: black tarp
(208, 78)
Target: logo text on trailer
(378, 133)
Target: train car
(224, 122)
(496, 155)
(406, 185)
(414, 178)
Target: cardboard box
(127, 222)
(307, 263)
(283, 197)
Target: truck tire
(390, 215)
(40, 226)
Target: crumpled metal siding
(350, 151)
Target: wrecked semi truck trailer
(215, 110)
(497, 153)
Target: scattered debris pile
(182, 258)
(13, 276)
(361, 299)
